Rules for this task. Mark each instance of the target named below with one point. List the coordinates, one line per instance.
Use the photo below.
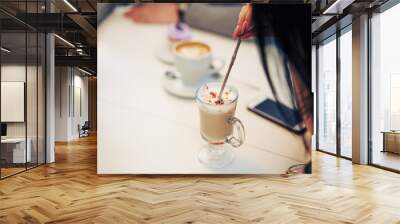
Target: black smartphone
(279, 113)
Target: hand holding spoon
(229, 69)
(231, 63)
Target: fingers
(244, 28)
(248, 19)
(134, 13)
(153, 13)
(240, 19)
(130, 12)
(242, 14)
(247, 35)
(235, 31)
(243, 31)
(244, 21)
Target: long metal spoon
(232, 61)
(229, 69)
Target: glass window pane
(31, 87)
(346, 94)
(22, 90)
(31, 100)
(13, 86)
(385, 89)
(327, 96)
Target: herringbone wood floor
(69, 191)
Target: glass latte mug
(218, 126)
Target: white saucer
(164, 54)
(174, 86)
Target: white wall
(69, 82)
(62, 82)
(14, 73)
(79, 117)
(11, 73)
(33, 127)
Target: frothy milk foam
(192, 49)
(215, 114)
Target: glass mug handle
(238, 135)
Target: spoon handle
(229, 68)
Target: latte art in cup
(194, 62)
(192, 49)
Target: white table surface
(144, 130)
(19, 150)
(13, 140)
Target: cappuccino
(215, 114)
(193, 61)
(192, 49)
(218, 125)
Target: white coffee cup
(194, 61)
